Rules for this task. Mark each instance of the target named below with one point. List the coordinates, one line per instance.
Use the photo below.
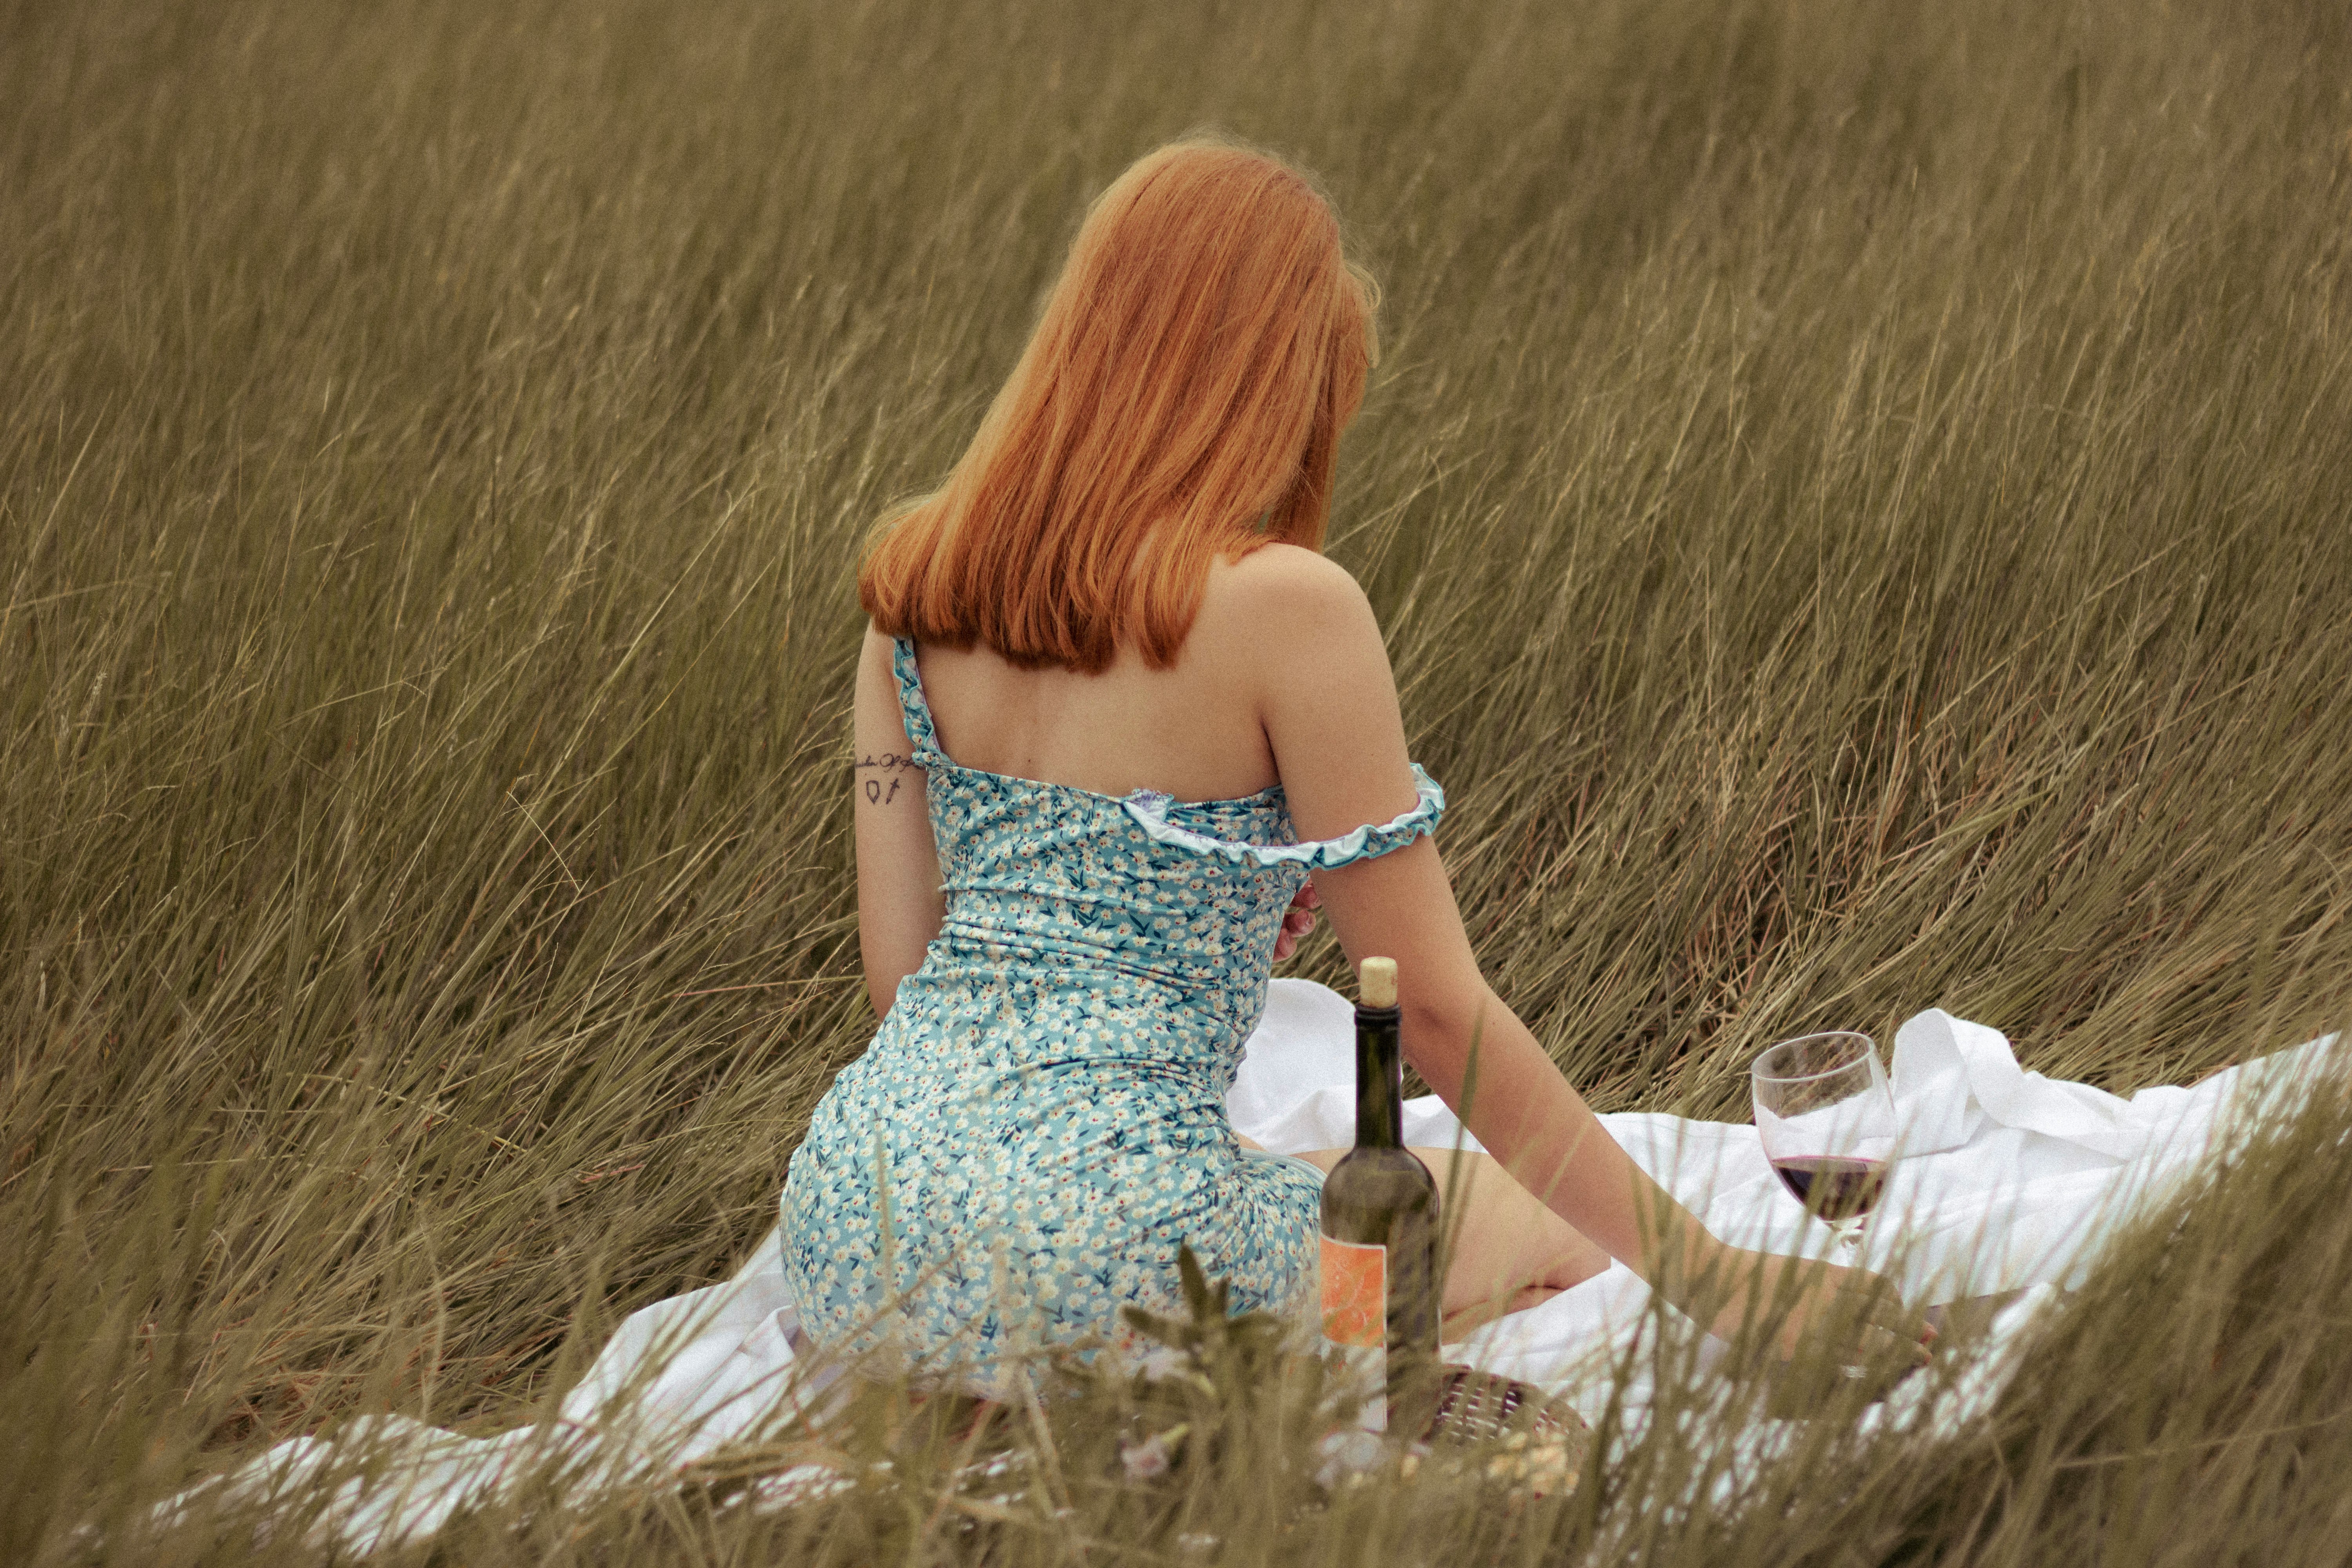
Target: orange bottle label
(1355, 1294)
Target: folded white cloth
(2008, 1180)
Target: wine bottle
(1379, 1278)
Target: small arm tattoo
(883, 789)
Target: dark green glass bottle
(1380, 1284)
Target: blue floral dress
(1040, 1121)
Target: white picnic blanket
(2008, 1180)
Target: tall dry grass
(1857, 494)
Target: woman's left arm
(900, 901)
(1331, 718)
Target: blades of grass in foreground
(1855, 497)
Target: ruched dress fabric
(1040, 1122)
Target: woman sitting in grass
(1119, 729)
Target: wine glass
(1827, 1122)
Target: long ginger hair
(1182, 399)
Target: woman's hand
(1825, 1324)
(1812, 1305)
(1297, 922)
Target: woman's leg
(1510, 1252)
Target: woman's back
(1194, 732)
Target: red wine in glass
(1827, 1122)
(1834, 1187)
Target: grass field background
(1857, 495)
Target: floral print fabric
(1040, 1122)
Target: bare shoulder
(877, 683)
(1281, 594)
(878, 660)
(1285, 573)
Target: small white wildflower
(1150, 1459)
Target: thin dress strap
(911, 705)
